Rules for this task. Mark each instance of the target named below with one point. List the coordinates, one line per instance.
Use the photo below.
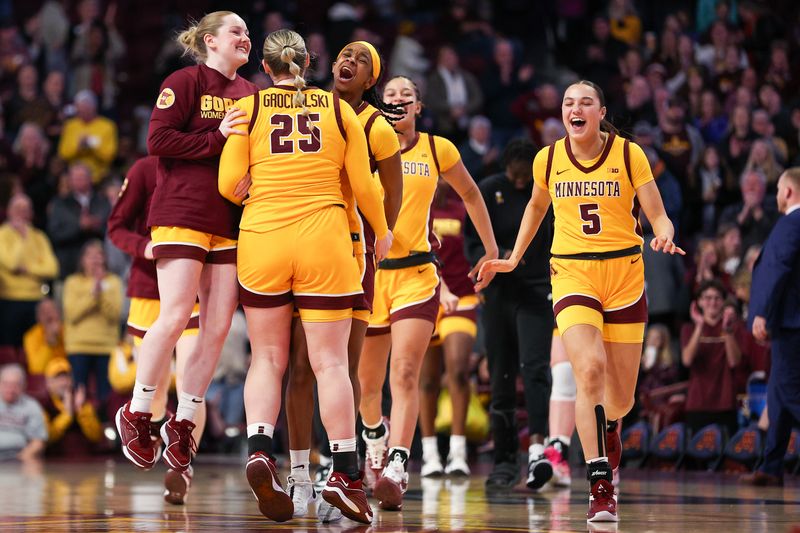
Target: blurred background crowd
(708, 87)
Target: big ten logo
(746, 444)
(447, 227)
(214, 106)
(613, 170)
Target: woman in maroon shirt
(193, 231)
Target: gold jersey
(595, 204)
(423, 160)
(295, 161)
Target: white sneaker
(327, 513)
(302, 493)
(456, 466)
(323, 472)
(375, 458)
(431, 467)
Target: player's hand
(663, 243)
(382, 246)
(148, 251)
(448, 300)
(490, 268)
(231, 120)
(760, 328)
(243, 187)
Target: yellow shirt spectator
(89, 138)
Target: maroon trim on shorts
(251, 299)
(179, 251)
(577, 299)
(427, 310)
(136, 332)
(338, 112)
(633, 314)
(381, 330)
(194, 323)
(598, 163)
(221, 257)
(331, 303)
(368, 284)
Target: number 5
(589, 214)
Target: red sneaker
(176, 485)
(134, 432)
(391, 486)
(602, 503)
(273, 502)
(348, 496)
(179, 444)
(614, 448)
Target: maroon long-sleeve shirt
(184, 134)
(448, 213)
(128, 229)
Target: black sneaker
(504, 476)
(540, 471)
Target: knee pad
(564, 388)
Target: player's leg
(429, 388)
(561, 419)
(457, 346)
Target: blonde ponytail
(192, 39)
(287, 56)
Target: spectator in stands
(601, 53)
(763, 127)
(626, 26)
(659, 368)
(729, 244)
(503, 82)
(478, 152)
(88, 137)
(73, 426)
(76, 217)
(736, 143)
(711, 122)
(762, 159)
(32, 149)
(711, 351)
(26, 104)
(535, 107)
(453, 95)
(638, 102)
(755, 215)
(45, 340)
(668, 187)
(716, 184)
(706, 266)
(23, 432)
(770, 99)
(27, 263)
(679, 143)
(319, 72)
(552, 130)
(92, 314)
(53, 90)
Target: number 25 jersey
(594, 202)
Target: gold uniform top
(423, 161)
(595, 204)
(295, 162)
(382, 143)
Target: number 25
(280, 141)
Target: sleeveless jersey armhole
(433, 153)
(338, 112)
(549, 164)
(254, 115)
(373, 164)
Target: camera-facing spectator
(706, 266)
(763, 127)
(711, 351)
(737, 142)
(716, 185)
(762, 159)
(89, 138)
(679, 144)
(26, 104)
(453, 95)
(711, 121)
(72, 424)
(503, 82)
(478, 152)
(77, 217)
(27, 263)
(534, 108)
(755, 214)
(53, 90)
(45, 340)
(23, 432)
(32, 149)
(729, 244)
(92, 314)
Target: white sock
(562, 438)
(458, 446)
(299, 464)
(187, 406)
(343, 445)
(260, 428)
(142, 397)
(430, 448)
(535, 451)
(597, 460)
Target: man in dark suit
(775, 312)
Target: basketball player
(296, 143)
(193, 232)
(596, 182)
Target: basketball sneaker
(557, 452)
(327, 513)
(179, 444)
(392, 484)
(540, 471)
(375, 458)
(431, 466)
(602, 503)
(348, 496)
(273, 502)
(456, 466)
(134, 433)
(176, 485)
(302, 493)
(324, 470)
